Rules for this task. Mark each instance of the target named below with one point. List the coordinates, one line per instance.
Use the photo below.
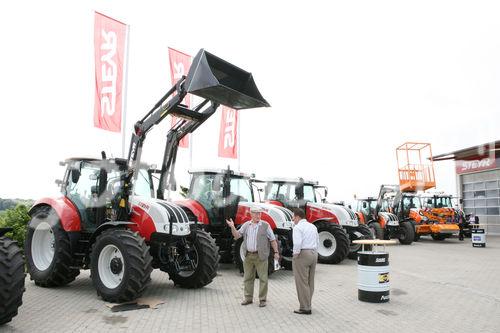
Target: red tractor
(217, 195)
(107, 222)
(337, 225)
(11, 277)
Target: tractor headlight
(175, 228)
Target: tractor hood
(345, 216)
(282, 217)
(389, 218)
(157, 215)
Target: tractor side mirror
(75, 175)
(299, 191)
(461, 201)
(365, 204)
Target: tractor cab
(292, 193)
(96, 187)
(437, 201)
(367, 209)
(220, 192)
(407, 206)
(93, 186)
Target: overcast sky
(348, 81)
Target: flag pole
(239, 142)
(124, 93)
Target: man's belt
(252, 252)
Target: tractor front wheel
(48, 251)
(201, 258)
(333, 244)
(406, 233)
(355, 248)
(120, 265)
(377, 230)
(11, 279)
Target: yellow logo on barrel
(383, 277)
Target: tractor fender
(327, 220)
(106, 226)
(196, 208)
(67, 212)
(361, 218)
(275, 202)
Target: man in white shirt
(257, 235)
(305, 256)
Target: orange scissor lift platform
(415, 167)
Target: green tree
(16, 218)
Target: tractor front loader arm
(217, 82)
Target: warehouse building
(478, 182)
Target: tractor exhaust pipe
(217, 80)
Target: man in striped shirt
(257, 235)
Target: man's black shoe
(306, 312)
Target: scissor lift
(415, 167)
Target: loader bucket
(215, 79)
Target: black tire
(341, 239)
(438, 237)
(377, 229)
(406, 233)
(367, 234)
(11, 279)
(206, 269)
(60, 271)
(238, 260)
(135, 265)
(286, 263)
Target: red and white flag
(228, 135)
(179, 66)
(109, 45)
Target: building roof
(473, 152)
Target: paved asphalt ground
(435, 287)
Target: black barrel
(373, 277)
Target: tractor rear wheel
(48, 252)
(120, 265)
(333, 244)
(205, 254)
(11, 279)
(406, 233)
(377, 230)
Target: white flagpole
(124, 92)
(238, 150)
